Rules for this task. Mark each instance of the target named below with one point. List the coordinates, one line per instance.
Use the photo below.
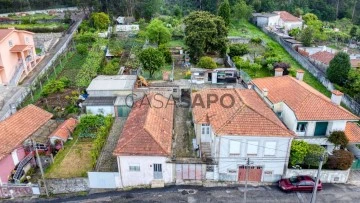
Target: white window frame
(134, 167)
(234, 148)
(205, 129)
(252, 143)
(270, 150)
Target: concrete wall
(146, 174)
(104, 110)
(326, 176)
(71, 185)
(8, 163)
(275, 164)
(108, 93)
(104, 180)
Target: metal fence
(305, 63)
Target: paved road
(331, 193)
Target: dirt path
(107, 162)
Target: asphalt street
(191, 194)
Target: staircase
(19, 170)
(206, 151)
(17, 75)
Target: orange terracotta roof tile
(148, 129)
(64, 130)
(19, 48)
(287, 17)
(352, 132)
(323, 56)
(249, 114)
(307, 103)
(4, 33)
(17, 128)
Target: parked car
(299, 183)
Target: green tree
(306, 36)
(241, 10)
(309, 18)
(339, 68)
(298, 151)
(298, 12)
(314, 153)
(206, 62)
(295, 32)
(101, 20)
(224, 12)
(157, 32)
(166, 53)
(177, 11)
(152, 60)
(340, 160)
(205, 32)
(338, 138)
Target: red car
(299, 183)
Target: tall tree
(205, 32)
(339, 68)
(224, 12)
(152, 60)
(241, 10)
(157, 32)
(101, 20)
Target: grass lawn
(72, 66)
(179, 73)
(245, 29)
(177, 43)
(58, 27)
(73, 161)
(36, 16)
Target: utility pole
(313, 197)
(40, 166)
(246, 177)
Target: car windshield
(294, 180)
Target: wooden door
(255, 173)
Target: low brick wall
(326, 176)
(71, 185)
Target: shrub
(256, 40)
(298, 152)
(315, 152)
(112, 67)
(294, 32)
(339, 68)
(238, 50)
(82, 49)
(54, 86)
(100, 20)
(241, 63)
(341, 160)
(207, 62)
(338, 138)
(166, 53)
(284, 66)
(85, 38)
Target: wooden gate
(188, 172)
(254, 175)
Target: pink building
(15, 142)
(17, 55)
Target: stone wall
(326, 176)
(71, 185)
(46, 40)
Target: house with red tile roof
(288, 21)
(304, 110)
(63, 131)
(15, 142)
(232, 125)
(17, 55)
(145, 144)
(322, 59)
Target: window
(252, 147)
(270, 148)
(234, 148)
(301, 127)
(134, 167)
(229, 74)
(11, 43)
(174, 90)
(205, 129)
(27, 40)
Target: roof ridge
(321, 96)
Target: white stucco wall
(326, 176)
(276, 164)
(262, 21)
(288, 117)
(146, 173)
(104, 110)
(273, 20)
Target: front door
(158, 171)
(320, 128)
(254, 173)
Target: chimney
(278, 72)
(300, 74)
(265, 92)
(336, 97)
(249, 85)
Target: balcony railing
(19, 170)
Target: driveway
(331, 193)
